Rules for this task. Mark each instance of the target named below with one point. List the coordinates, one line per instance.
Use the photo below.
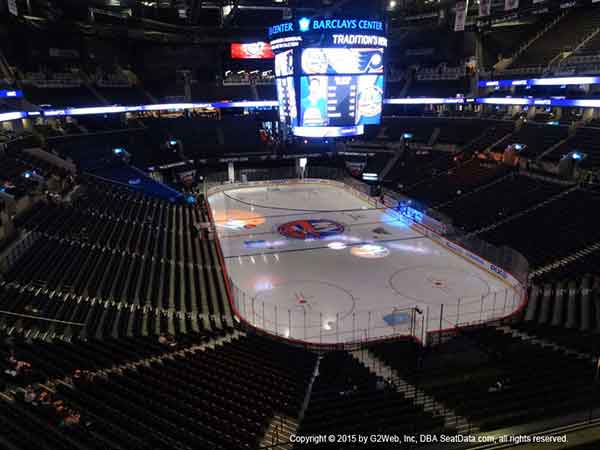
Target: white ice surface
(319, 290)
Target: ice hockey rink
(317, 262)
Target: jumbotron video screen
(330, 75)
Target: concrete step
(278, 433)
(420, 398)
(545, 343)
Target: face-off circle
(438, 284)
(310, 229)
(300, 298)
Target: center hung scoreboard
(329, 74)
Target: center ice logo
(310, 229)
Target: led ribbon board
(556, 81)
(306, 131)
(329, 74)
(253, 50)
(5, 117)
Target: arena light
(12, 116)
(167, 106)
(246, 104)
(505, 101)
(316, 132)
(323, 132)
(153, 107)
(55, 112)
(102, 110)
(565, 81)
(424, 101)
(576, 155)
(555, 81)
(582, 103)
(90, 110)
(370, 177)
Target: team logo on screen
(314, 60)
(370, 101)
(253, 50)
(310, 229)
(342, 61)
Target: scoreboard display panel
(253, 50)
(330, 74)
(341, 61)
(341, 100)
(286, 92)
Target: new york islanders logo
(310, 229)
